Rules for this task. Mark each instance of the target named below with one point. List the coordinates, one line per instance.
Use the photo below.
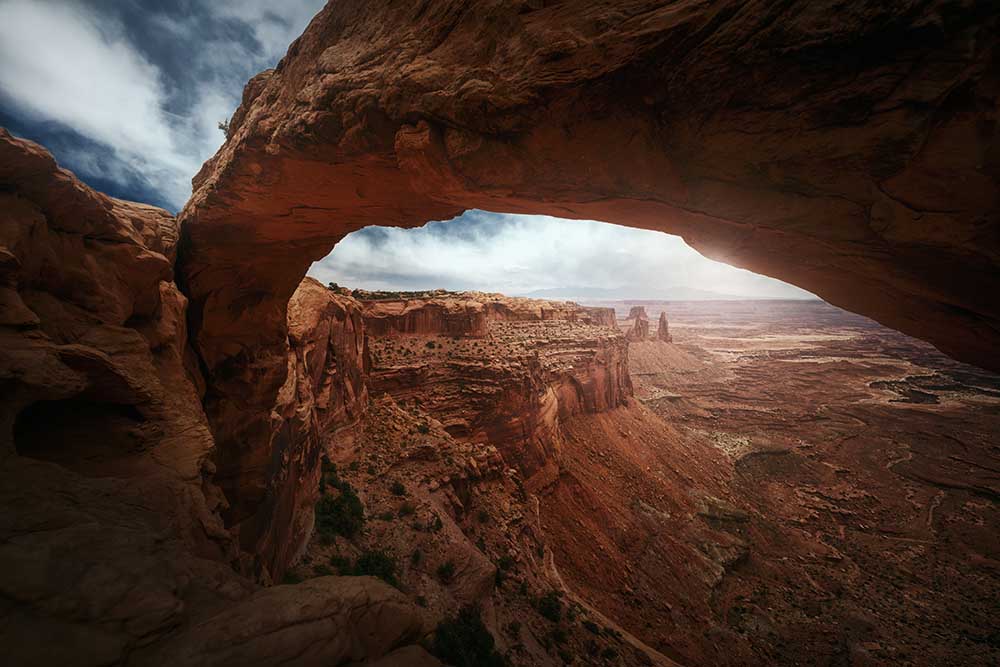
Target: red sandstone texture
(798, 477)
(852, 158)
(848, 151)
(851, 151)
(511, 379)
(112, 539)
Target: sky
(523, 254)
(128, 94)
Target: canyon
(208, 460)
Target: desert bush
(397, 488)
(376, 563)
(340, 514)
(463, 641)
(446, 572)
(550, 606)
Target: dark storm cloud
(128, 93)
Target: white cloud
(63, 62)
(68, 65)
(520, 254)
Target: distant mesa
(633, 293)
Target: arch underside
(852, 152)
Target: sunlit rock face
(850, 151)
(512, 380)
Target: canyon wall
(509, 381)
(113, 542)
(323, 397)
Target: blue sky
(128, 95)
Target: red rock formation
(637, 312)
(113, 545)
(467, 313)
(639, 329)
(663, 328)
(323, 397)
(851, 160)
(530, 366)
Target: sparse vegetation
(376, 563)
(446, 572)
(550, 606)
(341, 513)
(463, 641)
(397, 488)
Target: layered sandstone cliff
(113, 540)
(527, 365)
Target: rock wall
(113, 545)
(512, 382)
(323, 398)
(468, 313)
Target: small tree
(224, 126)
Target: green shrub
(342, 565)
(550, 606)
(406, 509)
(463, 641)
(291, 578)
(397, 488)
(322, 570)
(376, 563)
(483, 516)
(446, 572)
(342, 514)
(416, 557)
(506, 562)
(592, 627)
(424, 428)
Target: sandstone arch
(851, 150)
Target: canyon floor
(790, 484)
(867, 465)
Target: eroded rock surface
(113, 547)
(848, 151)
(528, 366)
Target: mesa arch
(850, 150)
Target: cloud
(147, 81)
(518, 254)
